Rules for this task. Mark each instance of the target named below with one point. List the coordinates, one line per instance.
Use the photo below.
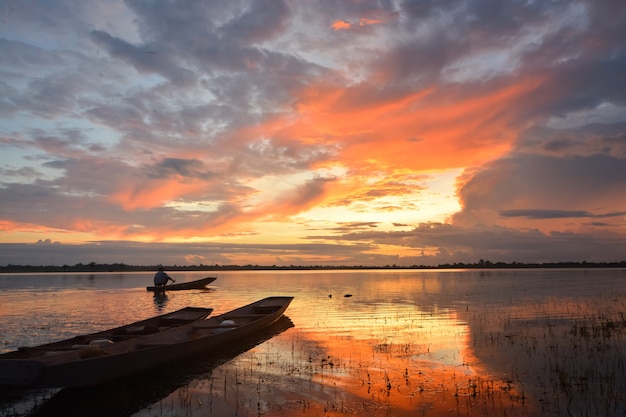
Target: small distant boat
(105, 356)
(191, 285)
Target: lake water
(522, 342)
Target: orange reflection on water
(412, 361)
(362, 360)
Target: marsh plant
(525, 361)
(571, 363)
(296, 375)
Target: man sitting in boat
(161, 278)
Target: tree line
(122, 267)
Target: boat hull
(192, 285)
(144, 352)
(29, 366)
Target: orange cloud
(341, 25)
(454, 130)
(104, 228)
(372, 133)
(368, 131)
(366, 22)
(8, 226)
(155, 193)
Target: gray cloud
(264, 20)
(25, 57)
(183, 167)
(445, 243)
(528, 181)
(146, 59)
(556, 214)
(134, 253)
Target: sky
(285, 132)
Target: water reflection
(463, 343)
(160, 300)
(514, 342)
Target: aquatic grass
(538, 366)
(572, 363)
(525, 361)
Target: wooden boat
(25, 365)
(105, 356)
(113, 399)
(191, 285)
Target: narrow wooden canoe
(113, 399)
(70, 364)
(27, 364)
(191, 285)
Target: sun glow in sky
(286, 132)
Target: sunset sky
(326, 132)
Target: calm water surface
(405, 343)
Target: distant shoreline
(120, 267)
